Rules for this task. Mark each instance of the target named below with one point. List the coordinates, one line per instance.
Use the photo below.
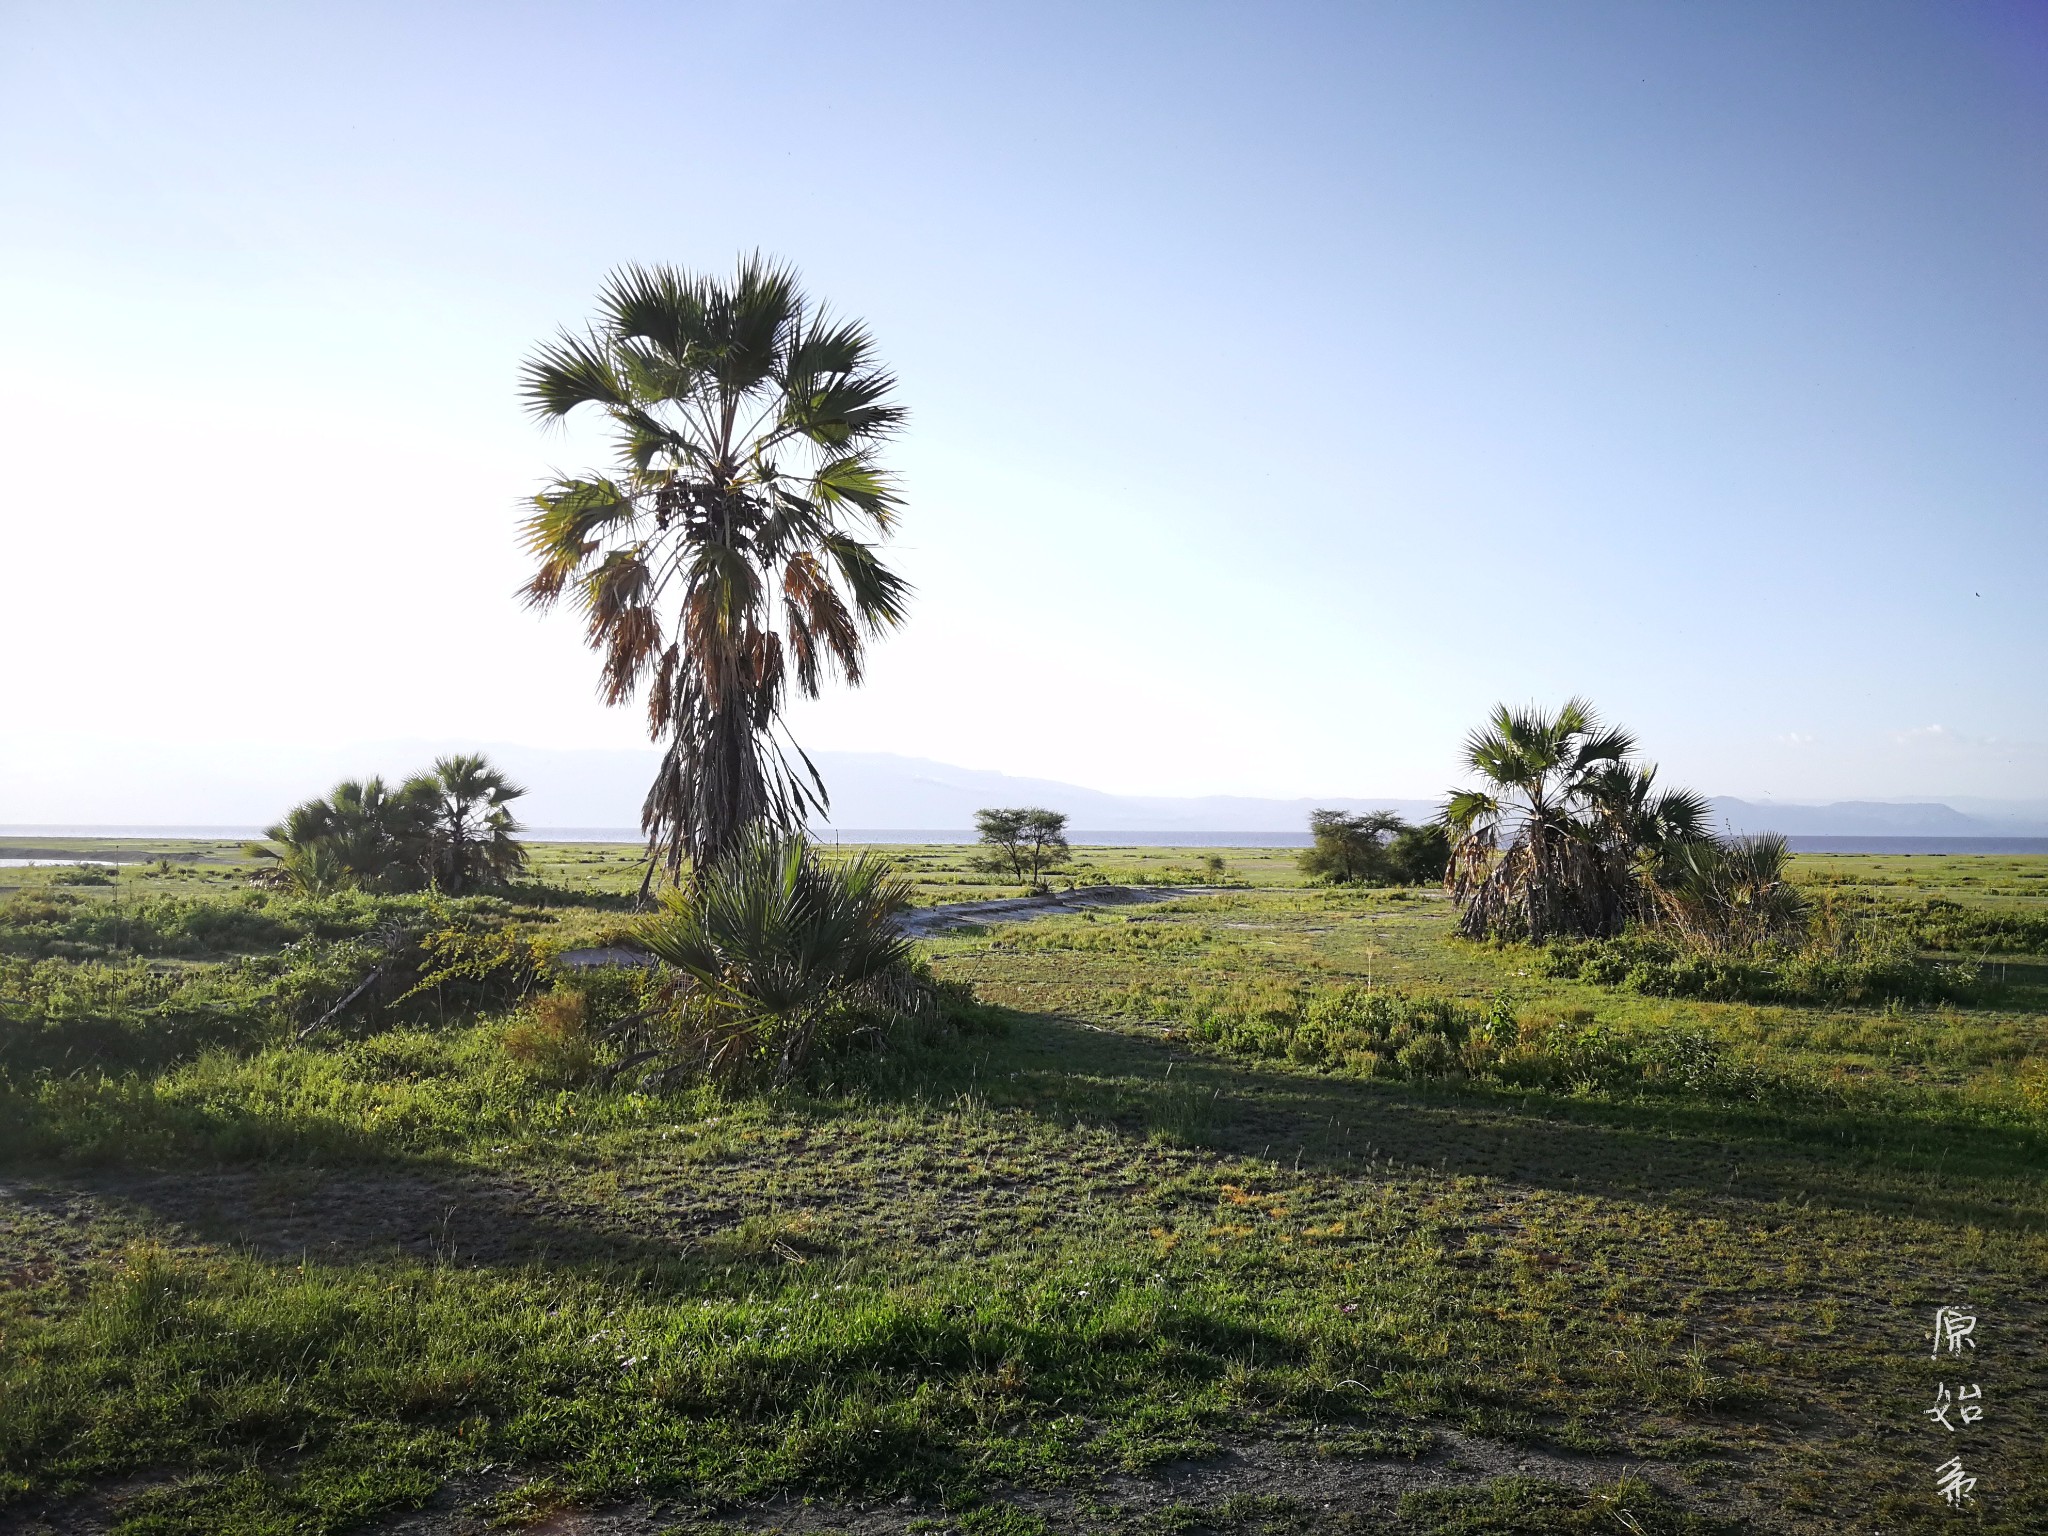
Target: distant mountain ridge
(871, 791)
(880, 790)
(1864, 818)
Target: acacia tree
(723, 557)
(1349, 849)
(1566, 833)
(1026, 839)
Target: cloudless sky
(1290, 382)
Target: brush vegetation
(1287, 1168)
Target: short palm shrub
(1731, 897)
(780, 956)
(450, 829)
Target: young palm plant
(1647, 834)
(776, 949)
(724, 556)
(361, 834)
(473, 837)
(1733, 896)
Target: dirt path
(923, 922)
(927, 922)
(1252, 1488)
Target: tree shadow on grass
(432, 1213)
(1701, 1157)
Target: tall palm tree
(1533, 848)
(472, 841)
(723, 557)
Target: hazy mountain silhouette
(870, 791)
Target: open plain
(1264, 1208)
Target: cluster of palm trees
(449, 829)
(1568, 835)
(730, 555)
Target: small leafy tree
(1350, 849)
(1419, 855)
(1025, 840)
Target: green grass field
(1267, 1209)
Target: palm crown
(725, 555)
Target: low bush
(781, 958)
(1874, 970)
(60, 924)
(1388, 1034)
(121, 1013)
(1951, 926)
(58, 1018)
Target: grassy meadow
(1269, 1208)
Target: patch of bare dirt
(1259, 1486)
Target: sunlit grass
(1098, 1238)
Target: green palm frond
(572, 371)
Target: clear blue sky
(1290, 382)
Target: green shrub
(1948, 925)
(1877, 969)
(61, 924)
(1366, 1032)
(783, 957)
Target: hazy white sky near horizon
(1290, 383)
